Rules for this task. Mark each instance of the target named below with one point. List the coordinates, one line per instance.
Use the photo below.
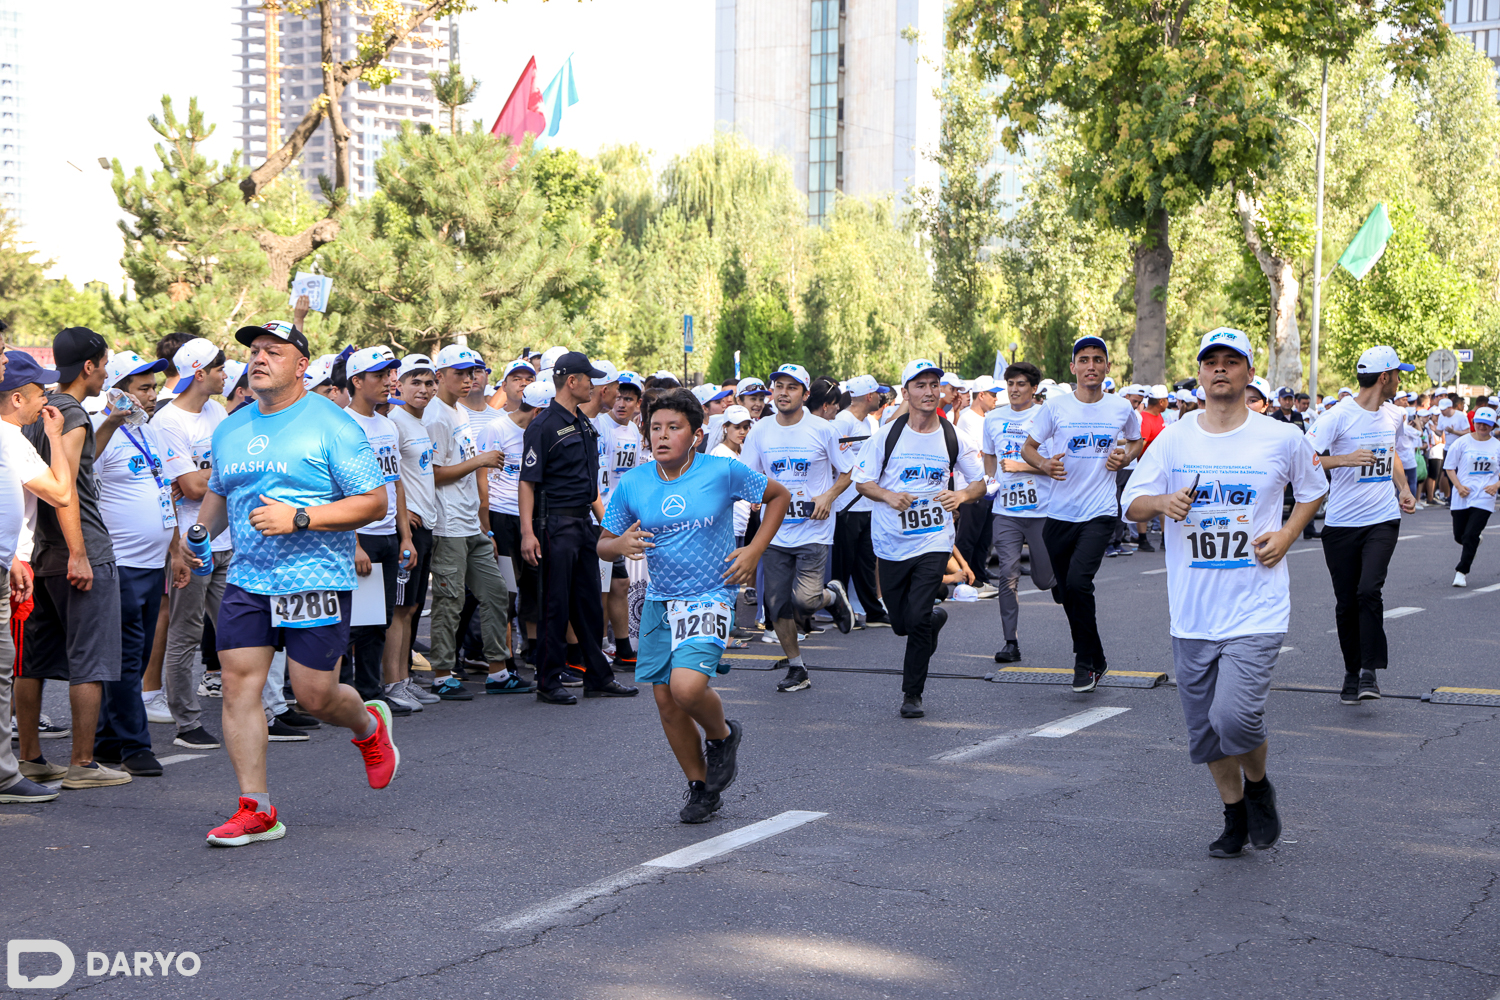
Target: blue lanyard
(151, 461)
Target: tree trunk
(1153, 269)
(1283, 363)
(284, 252)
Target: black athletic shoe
(452, 689)
(877, 620)
(722, 760)
(1143, 544)
(1368, 689)
(911, 707)
(840, 610)
(398, 710)
(142, 764)
(796, 679)
(701, 803)
(197, 738)
(1084, 678)
(1260, 810)
(1010, 654)
(555, 696)
(939, 619)
(1350, 694)
(298, 720)
(1231, 843)
(614, 689)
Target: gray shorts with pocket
(794, 580)
(1223, 685)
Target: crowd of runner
(271, 532)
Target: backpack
(950, 438)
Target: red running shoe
(246, 827)
(381, 756)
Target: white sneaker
(156, 706)
(1421, 505)
(396, 692)
(988, 590)
(210, 687)
(770, 638)
(1459, 580)
(415, 692)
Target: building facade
(12, 106)
(373, 116)
(1478, 22)
(837, 87)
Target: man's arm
(403, 527)
(443, 475)
(531, 547)
(54, 486)
(823, 502)
(349, 514)
(774, 504)
(80, 573)
(1052, 468)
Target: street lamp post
(1013, 348)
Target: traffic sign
(1442, 365)
(687, 334)
(1464, 356)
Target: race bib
(168, 509)
(1216, 541)
(706, 618)
(923, 517)
(801, 507)
(1018, 494)
(1482, 465)
(1378, 470)
(309, 609)
(624, 459)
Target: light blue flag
(561, 93)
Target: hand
(415, 519)
(1271, 547)
(531, 549)
(408, 553)
(755, 506)
(177, 493)
(1492, 489)
(115, 419)
(635, 542)
(1463, 490)
(180, 570)
(1053, 467)
(1178, 505)
(362, 564)
(1117, 459)
(80, 573)
(1409, 502)
(1363, 456)
(950, 500)
(300, 310)
(741, 571)
(822, 507)
(969, 577)
(900, 501)
(495, 548)
(490, 459)
(1011, 465)
(20, 581)
(275, 518)
(52, 421)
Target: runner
(801, 452)
(853, 551)
(295, 477)
(418, 382)
(1079, 431)
(908, 468)
(1474, 464)
(621, 448)
(1357, 439)
(1021, 502)
(1216, 482)
(677, 512)
(1451, 425)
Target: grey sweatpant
(1223, 685)
(181, 668)
(1010, 532)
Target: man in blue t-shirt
(678, 512)
(293, 477)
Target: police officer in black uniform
(559, 486)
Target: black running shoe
(277, 733)
(1350, 694)
(1368, 689)
(1010, 654)
(197, 738)
(840, 610)
(298, 720)
(142, 764)
(1260, 809)
(722, 760)
(1143, 544)
(1231, 843)
(701, 803)
(911, 707)
(1084, 678)
(796, 679)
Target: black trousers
(122, 715)
(1123, 531)
(369, 640)
(1467, 526)
(973, 537)
(1357, 561)
(854, 559)
(570, 594)
(910, 586)
(1076, 548)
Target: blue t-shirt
(308, 454)
(692, 519)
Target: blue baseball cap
(22, 369)
(1090, 341)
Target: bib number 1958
(309, 609)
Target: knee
(1368, 594)
(1236, 726)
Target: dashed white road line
(1476, 592)
(694, 854)
(178, 758)
(1053, 730)
(1153, 572)
(1402, 538)
(1392, 613)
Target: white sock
(500, 677)
(828, 598)
(370, 731)
(794, 661)
(262, 800)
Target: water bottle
(402, 576)
(199, 545)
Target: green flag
(1368, 244)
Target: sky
(643, 68)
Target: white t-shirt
(805, 458)
(741, 507)
(1453, 426)
(453, 444)
(385, 442)
(478, 419)
(1084, 434)
(506, 437)
(190, 437)
(1022, 494)
(1406, 443)
(919, 466)
(853, 433)
(1475, 464)
(19, 465)
(1362, 494)
(416, 465)
(971, 425)
(130, 494)
(621, 448)
(1216, 587)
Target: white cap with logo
(415, 363)
(1381, 359)
(917, 367)
(190, 359)
(861, 385)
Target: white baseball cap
(751, 387)
(965, 594)
(1381, 359)
(1345, 391)
(233, 372)
(983, 383)
(459, 357)
(1155, 391)
(736, 415)
(611, 373)
(190, 359)
(861, 385)
(371, 359)
(1226, 336)
(515, 365)
(549, 358)
(1446, 403)
(1108, 385)
(415, 363)
(319, 371)
(703, 393)
(123, 364)
(664, 374)
(1484, 415)
(1261, 386)
(794, 371)
(632, 379)
(917, 367)
(539, 393)
(1064, 387)
(950, 378)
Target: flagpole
(1317, 289)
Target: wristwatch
(300, 520)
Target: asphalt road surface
(1004, 846)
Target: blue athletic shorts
(655, 659)
(245, 621)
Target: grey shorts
(74, 635)
(794, 580)
(1223, 685)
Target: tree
(1171, 101)
(1278, 232)
(453, 93)
(759, 326)
(20, 279)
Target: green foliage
(761, 328)
(452, 91)
(20, 281)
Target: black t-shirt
(50, 556)
(562, 456)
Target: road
(962, 855)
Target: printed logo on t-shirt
(257, 444)
(1090, 442)
(673, 506)
(796, 466)
(1218, 525)
(917, 474)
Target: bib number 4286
(306, 610)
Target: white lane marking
(1391, 613)
(1058, 728)
(1402, 538)
(1153, 572)
(685, 857)
(1310, 548)
(178, 758)
(1475, 593)
(1285, 649)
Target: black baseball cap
(276, 328)
(71, 348)
(574, 363)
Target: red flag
(522, 112)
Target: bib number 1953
(922, 518)
(309, 609)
